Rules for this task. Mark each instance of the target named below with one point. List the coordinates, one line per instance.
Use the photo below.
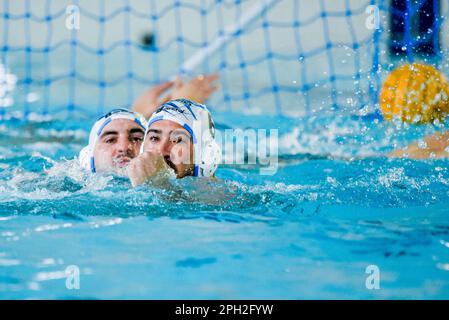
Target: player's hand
(151, 99)
(145, 166)
(198, 89)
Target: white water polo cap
(197, 120)
(86, 155)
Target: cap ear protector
(196, 119)
(208, 155)
(86, 155)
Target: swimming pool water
(335, 206)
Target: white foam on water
(49, 184)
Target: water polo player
(114, 140)
(116, 137)
(180, 135)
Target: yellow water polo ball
(415, 93)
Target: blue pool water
(335, 206)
